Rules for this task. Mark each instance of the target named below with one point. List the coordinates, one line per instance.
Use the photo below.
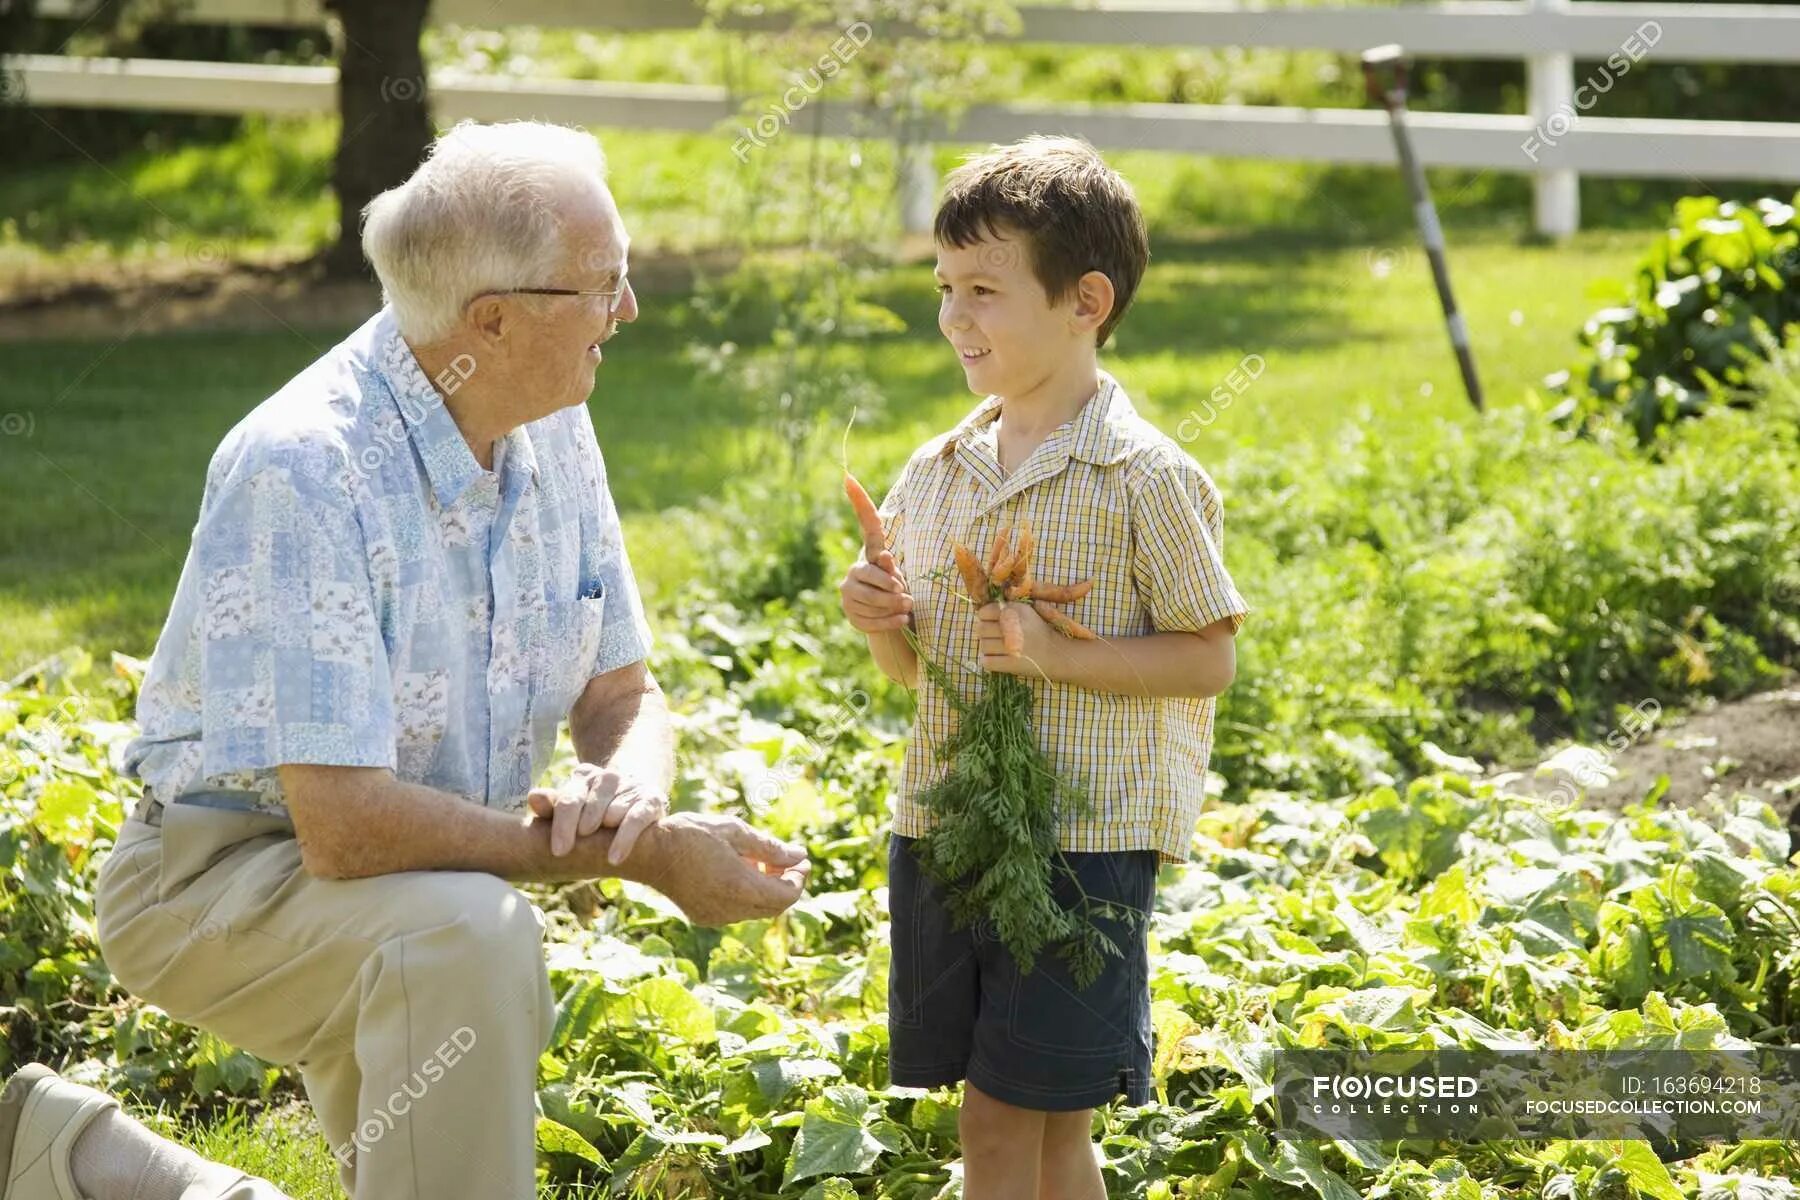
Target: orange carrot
(1015, 561)
(1022, 587)
(1015, 557)
(1025, 546)
(974, 578)
(1063, 623)
(1001, 541)
(1012, 634)
(867, 516)
(1063, 593)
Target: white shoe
(41, 1116)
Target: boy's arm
(895, 657)
(1165, 663)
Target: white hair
(483, 211)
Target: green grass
(102, 485)
(265, 193)
(283, 1147)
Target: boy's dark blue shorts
(958, 1006)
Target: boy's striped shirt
(1110, 497)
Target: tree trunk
(381, 101)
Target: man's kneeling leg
(415, 1004)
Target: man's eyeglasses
(611, 295)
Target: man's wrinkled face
(998, 317)
(554, 345)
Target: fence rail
(1555, 141)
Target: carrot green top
(1111, 497)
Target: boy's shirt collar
(1096, 435)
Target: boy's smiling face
(1007, 334)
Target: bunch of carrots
(1007, 578)
(996, 809)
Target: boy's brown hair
(1074, 212)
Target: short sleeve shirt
(1108, 497)
(359, 591)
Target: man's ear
(1094, 299)
(487, 316)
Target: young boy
(1040, 250)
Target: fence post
(1550, 88)
(918, 185)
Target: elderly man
(407, 571)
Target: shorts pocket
(932, 961)
(1048, 1014)
(1132, 875)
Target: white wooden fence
(1555, 141)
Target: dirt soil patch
(114, 303)
(1712, 752)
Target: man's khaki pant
(415, 1005)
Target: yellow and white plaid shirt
(1109, 497)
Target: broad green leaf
(1721, 879)
(1372, 1010)
(1366, 1152)
(1690, 938)
(638, 1097)
(1646, 1171)
(936, 1117)
(1622, 956)
(1464, 1188)
(1759, 828)
(1297, 1164)
(776, 1077)
(607, 958)
(1171, 1027)
(1370, 938)
(221, 1067)
(1470, 1030)
(556, 1138)
(676, 1009)
(837, 1136)
(65, 811)
(755, 1139)
(1255, 1063)
(754, 1021)
(564, 1107)
(581, 1011)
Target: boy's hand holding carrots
(1025, 633)
(873, 594)
(1042, 650)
